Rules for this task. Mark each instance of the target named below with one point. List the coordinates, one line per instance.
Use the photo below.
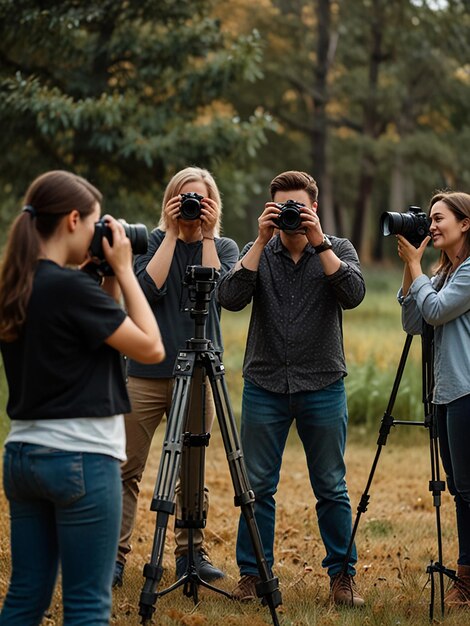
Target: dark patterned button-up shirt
(295, 338)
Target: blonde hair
(192, 175)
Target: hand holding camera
(193, 206)
(116, 245)
(112, 245)
(311, 222)
(267, 221)
(295, 215)
(409, 253)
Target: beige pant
(150, 400)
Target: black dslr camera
(412, 224)
(190, 208)
(136, 233)
(290, 217)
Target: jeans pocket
(8, 484)
(59, 475)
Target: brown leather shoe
(245, 591)
(343, 590)
(459, 593)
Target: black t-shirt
(60, 367)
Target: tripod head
(200, 281)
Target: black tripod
(436, 486)
(194, 363)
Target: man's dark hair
(294, 181)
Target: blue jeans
(321, 420)
(453, 422)
(65, 509)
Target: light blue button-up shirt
(448, 311)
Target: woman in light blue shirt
(444, 302)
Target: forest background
(369, 96)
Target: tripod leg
(268, 588)
(190, 506)
(387, 423)
(164, 493)
(436, 487)
(190, 503)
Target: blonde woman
(176, 243)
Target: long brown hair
(458, 203)
(49, 197)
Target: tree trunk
(319, 135)
(372, 129)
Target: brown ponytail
(49, 197)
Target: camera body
(412, 224)
(136, 233)
(290, 217)
(190, 208)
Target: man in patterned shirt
(299, 280)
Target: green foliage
(396, 101)
(378, 528)
(123, 93)
(369, 389)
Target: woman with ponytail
(61, 336)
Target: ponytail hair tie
(31, 210)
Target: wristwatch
(325, 245)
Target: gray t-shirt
(170, 303)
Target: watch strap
(325, 245)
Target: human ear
(72, 219)
(465, 224)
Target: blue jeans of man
(453, 421)
(321, 421)
(65, 508)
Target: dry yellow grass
(396, 541)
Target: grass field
(396, 541)
(396, 537)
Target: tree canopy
(124, 93)
(369, 96)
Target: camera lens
(190, 208)
(290, 219)
(136, 233)
(391, 223)
(138, 236)
(412, 224)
